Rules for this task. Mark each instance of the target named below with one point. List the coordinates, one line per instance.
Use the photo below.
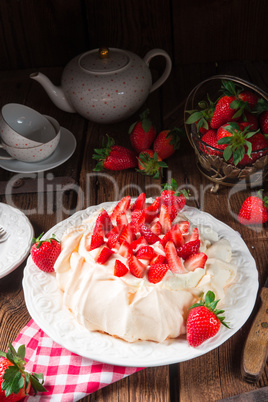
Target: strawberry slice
(184, 227)
(152, 210)
(125, 250)
(149, 236)
(103, 255)
(193, 236)
(121, 218)
(136, 244)
(165, 239)
(97, 240)
(128, 234)
(157, 272)
(174, 261)
(103, 223)
(122, 205)
(176, 235)
(145, 253)
(113, 240)
(139, 202)
(195, 261)
(136, 267)
(137, 218)
(120, 269)
(158, 259)
(187, 249)
(164, 218)
(156, 228)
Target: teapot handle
(159, 52)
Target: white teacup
(23, 127)
(37, 153)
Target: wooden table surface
(74, 186)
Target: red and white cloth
(68, 377)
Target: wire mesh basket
(209, 159)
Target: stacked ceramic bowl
(27, 135)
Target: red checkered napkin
(68, 377)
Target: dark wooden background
(48, 33)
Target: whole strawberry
(45, 252)
(167, 142)
(142, 133)
(210, 139)
(204, 320)
(15, 382)
(150, 164)
(254, 210)
(229, 107)
(264, 122)
(114, 157)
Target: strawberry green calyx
(145, 121)
(174, 136)
(15, 377)
(210, 303)
(229, 88)
(261, 106)
(202, 115)
(237, 144)
(39, 242)
(151, 165)
(173, 186)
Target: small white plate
(62, 153)
(44, 302)
(16, 248)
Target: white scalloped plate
(44, 302)
(16, 248)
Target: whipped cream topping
(132, 308)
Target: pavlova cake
(133, 271)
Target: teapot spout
(55, 93)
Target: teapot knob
(104, 52)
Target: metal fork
(3, 234)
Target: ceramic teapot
(105, 85)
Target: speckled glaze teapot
(105, 85)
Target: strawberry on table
(45, 252)
(15, 382)
(142, 133)
(150, 164)
(204, 320)
(114, 157)
(254, 210)
(167, 142)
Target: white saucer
(62, 153)
(16, 248)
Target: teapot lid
(103, 60)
